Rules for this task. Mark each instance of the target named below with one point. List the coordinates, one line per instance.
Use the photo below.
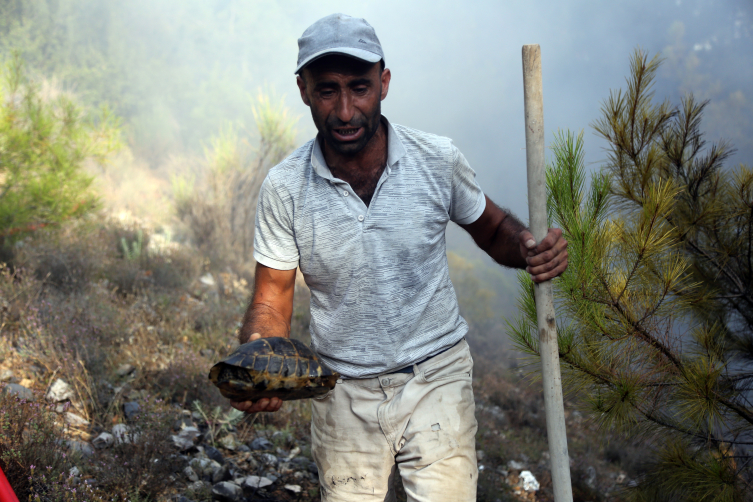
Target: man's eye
(361, 90)
(327, 93)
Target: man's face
(345, 97)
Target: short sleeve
(274, 239)
(468, 201)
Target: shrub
(30, 455)
(43, 145)
(140, 465)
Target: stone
(214, 454)
(183, 422)
(207, 279)
(20, 391)
(253, 483)
(204, 466)
(229, 442)
(73, 472)
(268, 459)
(590, 476)
(480, 455)
(514, 465)
(6, 376)
(104, 440)
(225, 491)
(81, 447)
(60, 391)
(75, 420)
(295, 451)
(300, 461)
(282, 436)
(222, 474)
(196, 486)
(37, 370)
(621, 478)
(208, 353)
(528, 481)
(261, 444)
(125, 369)
(131, 409)
(293, 488)
(122, 434)
(243, 448)
(271, 477)
(189, 473)
(182, 443)
(186, 438)
(183, 498)
(313, 469)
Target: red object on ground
(6, 492)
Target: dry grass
(67, 312)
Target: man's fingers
(552, 237)
(241, 405)
(551, 274)
(253, 337)
(275, 404)
(262, 405)
(548, 266)
(540, 258)
(527, 240)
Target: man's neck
(363, 170)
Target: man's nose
(345, 108)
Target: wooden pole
(550, 362)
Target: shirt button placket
(360, 217)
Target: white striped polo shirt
(381, 296)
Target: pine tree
(655, 310)
(44, 142)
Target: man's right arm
(268, 315)
(271, 307)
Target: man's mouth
(347, 133)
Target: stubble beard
(369, 124)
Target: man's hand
(548, 259)
(511, 244)
(260, 405)
(265, 404)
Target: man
(362, 210)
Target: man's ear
(386, 77)
(302, 88)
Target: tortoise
(272, 367)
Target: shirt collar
(395, 151)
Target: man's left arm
(503, 237)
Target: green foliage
(134, 251)
(654, 308)
(217, 421)
(44, 142)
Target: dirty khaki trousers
(420, 425)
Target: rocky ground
(225, 456)
(104, 392)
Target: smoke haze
(179, 70)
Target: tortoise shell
(272, 367)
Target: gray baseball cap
(339, 34)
